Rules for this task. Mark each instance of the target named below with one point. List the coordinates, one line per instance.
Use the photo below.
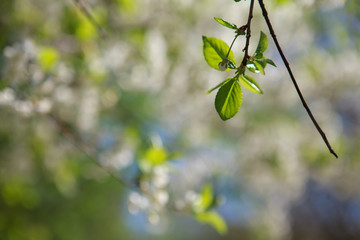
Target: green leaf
(156, 155)
(256, 66)
(219, 85)
(205, 200)
(250, 84)
(153, 156)
(228, 99)
(215, 51)
(262, 46)
(47, 57)
(266, 60)
(225, 23)
(251, 66)
(231, 65)
(214, 219)
(259, 67)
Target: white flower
(161, 197)
(137, 202)
(160, 177)
(153, 218)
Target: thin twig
(248, 35)
(90, 151)
(265, 14)
(83, 7)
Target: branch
(90, 151)
(83, 7)
(321, 132)
(248, 35)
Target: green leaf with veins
(219, 85)
(228, 99)
(215, 51)
(250, 84)
(262, 46)
(225, 23)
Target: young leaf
(215, 51)
(259, 67)
(205, 199)
(225, 23)
(251, 66)
(219, 85)
(152, 157)
(266, 60)
(262, 46)
(156, 155)
(47, 57)
(231, 65)
(214, 219)
(256, 66)
(250, 84)
(228, 99)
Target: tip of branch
(333, 153)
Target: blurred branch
(87, 12)
(272, 32)
(89, 150)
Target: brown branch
(321, 132)
(248, 35)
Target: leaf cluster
(220, 57)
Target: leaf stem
(232, 45)
(321, 132)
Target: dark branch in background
(86, 11)
(265, 14)
(248, 35)
(90, 151)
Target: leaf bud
(223, 65)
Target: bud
(224, 64)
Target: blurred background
(106, 131)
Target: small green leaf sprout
(225, 23)
(220, 57)
(203, 209)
